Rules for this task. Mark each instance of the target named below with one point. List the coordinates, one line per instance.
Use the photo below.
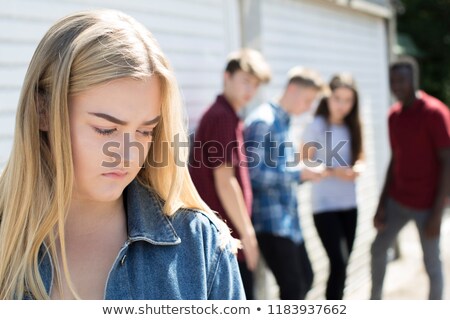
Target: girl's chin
(99, 195)
(110, 196)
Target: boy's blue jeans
(396, 218)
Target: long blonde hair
(78, 52)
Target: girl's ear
(43, 113)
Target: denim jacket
(176, 257)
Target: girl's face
(111, 132)
(340, 103)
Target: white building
(328, 35)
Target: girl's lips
(115, 174)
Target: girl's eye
(105, 132)
(146, 133)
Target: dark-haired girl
(334, 141)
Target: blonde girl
(96, 201)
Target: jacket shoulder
(201, 224)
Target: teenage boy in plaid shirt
(275, 177)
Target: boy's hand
(379, 220)
(251, 250)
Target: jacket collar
(145, 217)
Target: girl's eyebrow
(121, 122)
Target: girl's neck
(87, 217)
(94, 234)
(335, 120)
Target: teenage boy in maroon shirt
(418, 177)
(218, 161)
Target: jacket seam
(219, 260)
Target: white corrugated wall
(196, 36)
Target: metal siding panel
(12, 77)
(9, 99)
(13, 54)
(7, 122)
(5, 147)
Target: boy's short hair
(407, 62)
(250, 61)
(305, 77)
